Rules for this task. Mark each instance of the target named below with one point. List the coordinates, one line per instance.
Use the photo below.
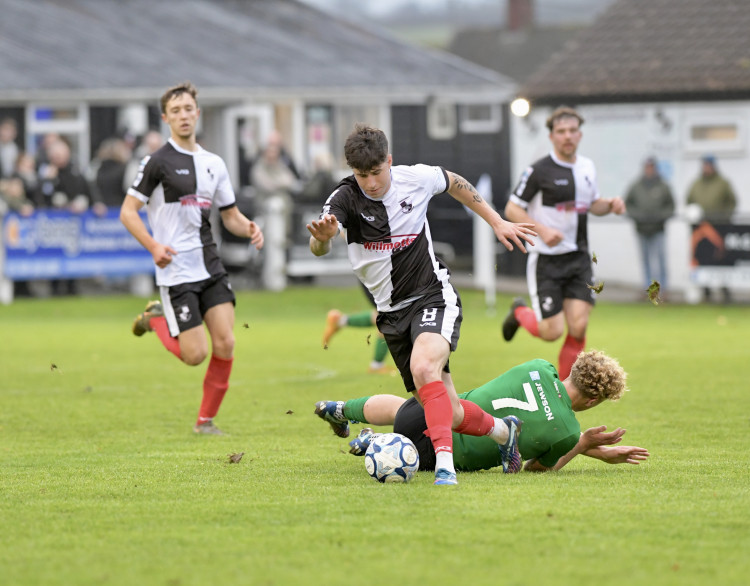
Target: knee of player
(193, 357)
(550, 331)
(223, 345)
(424, 371)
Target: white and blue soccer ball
(392, 457)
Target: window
(71, 121)
(719, 133)
(441, 120)
(481, 118)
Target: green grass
(102, 481)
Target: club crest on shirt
(406, 207)
(184, 314)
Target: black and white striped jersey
(559, 195)
(179, 188)
(389, 242)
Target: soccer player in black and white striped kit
(383, 209)
(179, 184)
(557, 193)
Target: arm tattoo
(461, 183)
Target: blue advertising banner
(54, 244)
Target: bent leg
(381, 409)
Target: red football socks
(215, 385)
(438, 414)
(568, 354)
(527, 319)
(476, 420)
(159, 325)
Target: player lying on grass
(551, 435)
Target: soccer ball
(391, 457)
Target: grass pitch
(102, 481)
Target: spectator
(275, 139)
(9, 150)
(26, 172)
(650, 204)
(108, 171)
(149, 144)
(62, 185)
(275, 184)
(713, 193)
(321, 183)
(13, 197)
(716, 199)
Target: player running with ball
(384, 211)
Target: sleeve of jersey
(336, 205)
(148, 177)
(558, 450)
(435, 179)
(224, 192)
(526, 189)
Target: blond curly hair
(598, 376)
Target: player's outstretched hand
(623, 454)
(509, 232)
(599, 436)
(325, 228)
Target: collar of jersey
(562, 163)
(181, 150)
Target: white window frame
(736, 146)
(481, 126)
(442, 120)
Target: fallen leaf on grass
(368, 338)
(235, 458)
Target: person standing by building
(557, 193)
(383, 209)
(717, 201)
(650, 204)
(179, 184)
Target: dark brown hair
(365, 148)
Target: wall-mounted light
(520, 107)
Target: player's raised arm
(507, 232)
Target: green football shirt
(532, 392)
